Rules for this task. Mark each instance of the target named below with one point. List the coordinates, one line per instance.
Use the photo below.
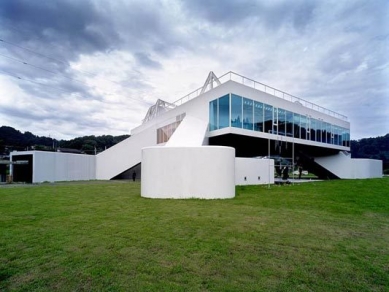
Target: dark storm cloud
(44, 84)
(273, 15)
(39, 114)
(73, 26)
(147, 26)
(144, 60)
(50, 34)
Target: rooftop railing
(264, 88)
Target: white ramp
(343, 166)
(190, 133)
(123, 155)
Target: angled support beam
(210, 79)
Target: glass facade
(236, 111)
(164, 133)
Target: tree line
(12, 139)
(373, 148)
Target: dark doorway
(3, 172)
(22, 172)
(128, 174)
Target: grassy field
(102, 236)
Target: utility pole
(268, 157)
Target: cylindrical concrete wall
(204, 172)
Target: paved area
(294, 181)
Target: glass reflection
(236, 111)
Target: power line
(40, 68)
(39, 83)
(31, 51)
(55, 59)
(58, 88)
(52, 72)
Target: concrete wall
(343, 166)
(252, 171)
(205, 172)
(366, 168)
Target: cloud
(272, 14)
(94, 67)
(144, 60)
(76, 26)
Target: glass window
(324, 132)
(164, 134)
(268, 118)
(318, 130)
(347, 138)
(340, 136)
(296, 123)
(281, 122)
(275, 121)
(236, 111)
(336, 134)
(247, 114)
(258, 116)
(341, 131)
(329, 133)
(213, 117)
(224, 112)
(159, 136)
(289, 123)
(303, 127)
(313, 129)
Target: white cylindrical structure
(204, 172)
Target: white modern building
(231, 131)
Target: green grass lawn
(102, 236)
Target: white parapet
(204, 172)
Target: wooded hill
(12, 139)
(374, 148)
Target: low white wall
(58, 166)
(366, 168)
(205, 172)
(344, 166)
(253, 171)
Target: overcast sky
(77, 68)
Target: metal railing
(232, 76)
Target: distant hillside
(12, 139)
(374, 148)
